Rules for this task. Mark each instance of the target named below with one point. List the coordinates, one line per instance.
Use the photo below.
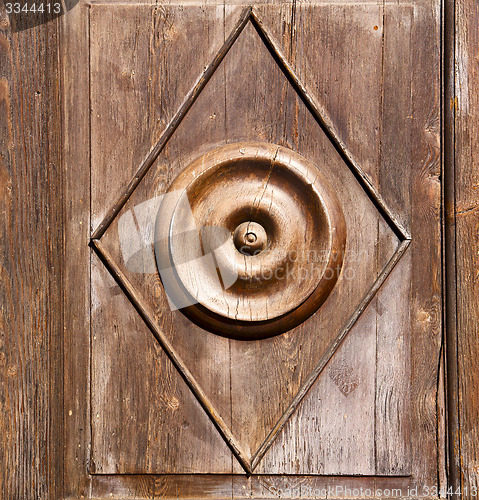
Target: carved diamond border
(325, 123)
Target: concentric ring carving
(256, 237)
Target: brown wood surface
(394, 351)
(465, 215)
(426, 296)
(30, 260)
(201, 351)
(391, 451)
(76, 279)
(241, 487)
(376, 408)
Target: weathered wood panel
(76, 278)
(426, 290)
(343, 398)
(465, 439)
(149, 406)
(253, 487)
(30, 260)
(32, 343)
(154, 93)
(253, 116)
(252, 112)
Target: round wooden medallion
(249, 240)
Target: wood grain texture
(240, 487)
(181, 428)
(30, 260)
(426, 290)
(348, 384)
(42, 163)
(33, 277)
(333, 428)
(160, 90)
(394, 329)
(246, 125)
(296, 129)
(465, 439)
(76, 277)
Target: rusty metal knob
(250, 240)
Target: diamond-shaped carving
(249, 459)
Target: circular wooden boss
(249, 240)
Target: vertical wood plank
(393, 422)
(449, 246)
(465, 441)
(426, 289)
(334, 66)
(76, 224)
(30, 259)
(392, 405)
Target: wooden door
(316, 121)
